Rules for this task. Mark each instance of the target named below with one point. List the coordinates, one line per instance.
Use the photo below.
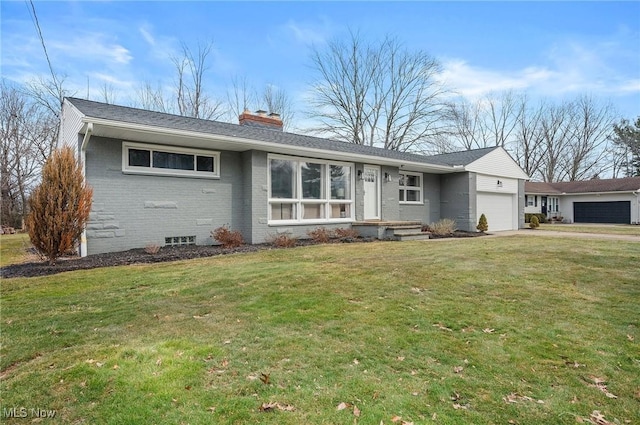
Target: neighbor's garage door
(602, 212)
(499, 210)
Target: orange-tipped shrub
(59, 206)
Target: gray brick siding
(132, 211)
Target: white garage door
(499, 208)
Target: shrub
(445, 226)
(320, 235)
(283, 240)
(534, 223)
(541, 217)
(346, 234)
(59, 206)
(482, 226)
(228, 238)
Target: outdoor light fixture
(387, 177)
(359, 174)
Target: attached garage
(500, 210)
(602, 212)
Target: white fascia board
(270, 146)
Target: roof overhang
(173, 137)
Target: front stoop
(391, 230)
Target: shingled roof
(116, 113)
(627, 184)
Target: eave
(173, 137)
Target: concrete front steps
(394, 230)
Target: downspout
(637, 193)
(83, 159)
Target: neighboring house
(590, 201)
(170, 180)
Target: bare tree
(465, 126)
(243, 96)
(528, 145)
(591, 127)
(28, 133)
(191, 98)
(148, 97)
(377, 94)
(278, 101)
(187, 95)
(489, 121)
(240, 97)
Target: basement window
(138, 158)
(179, 240)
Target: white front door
(371, 183)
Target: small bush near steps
(443, 227)
(228, 238)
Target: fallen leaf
(225, 363)
(396, 419)
(599, 418)
(115, 367)
(158, 362)
(265, 378)
(459, 406)
(356, 361)
(434, 416)
(342, 406)
(212, 409)
(600, 384)
(356, 411)
(442, 327)
(458, 369)
(630, 337)
(267, 407)
(488, 330)
(400, 358)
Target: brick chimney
(261, 119)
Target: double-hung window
(410, 186)
(306, 190)
(138, 158)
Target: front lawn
(14, 249)
(486, 330)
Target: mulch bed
(140, 256)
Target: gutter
(83, 159)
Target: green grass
(13, 249)
(384, 326)
(611, 229)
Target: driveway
(552, 233)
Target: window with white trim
(410, 186)
(309, 190)
(139, 158)
(554, 204)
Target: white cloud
(307, 33)
(147, 36)
(92, 46)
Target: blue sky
(552, 50)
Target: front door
(371, 183)
(543, 205)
